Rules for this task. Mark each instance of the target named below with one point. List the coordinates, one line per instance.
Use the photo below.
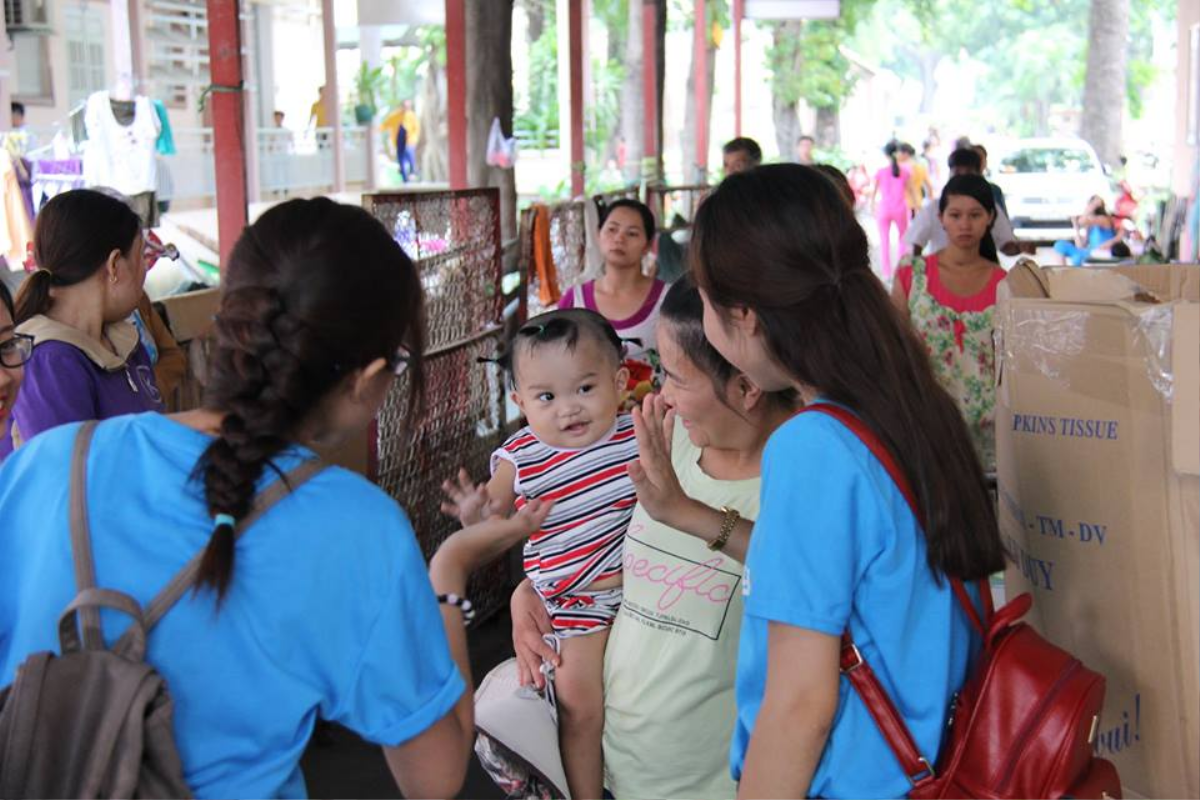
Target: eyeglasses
(399, 362)
(16, 351)
(155, 249)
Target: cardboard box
(1098, 444)
(190, 318)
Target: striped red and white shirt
(583, 538)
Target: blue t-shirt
(329, 613)
(835, 544)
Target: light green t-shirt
(671, 658)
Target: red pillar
(575, 33)
(229, 124)
(650, 84)
(739, 12)
(700, 82)
(456, 90)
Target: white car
(1046, 181)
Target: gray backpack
(97, 722)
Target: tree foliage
(1035, 51)
(824, 77)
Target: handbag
(517, 734)
(1024, 722)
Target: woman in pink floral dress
(950, 296)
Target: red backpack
(1023, 723)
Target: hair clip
(224, 519)
(486, 360)
(532, 330)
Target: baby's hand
(466, 500)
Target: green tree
(808, 63)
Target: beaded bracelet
(461, 603)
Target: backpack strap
(85, 608)
(81, 539)
(884, 456)
(186, 577)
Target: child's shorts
(582, 613)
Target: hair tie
(224, 519)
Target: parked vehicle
(1046, 181)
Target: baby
(566, 374)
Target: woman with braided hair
(323, 608)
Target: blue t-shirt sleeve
(405, 679)
(808, 548)
(58, 388)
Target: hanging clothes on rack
(166, 139)
(122, 138)
(16, 226)
(53, 176)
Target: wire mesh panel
(454, 239)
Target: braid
(260, 383)
(294, 324)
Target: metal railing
(288, 161)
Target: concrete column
(332, 110)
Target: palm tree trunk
(1104, 86)
(490, 95)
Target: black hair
(889, 150)
(18, 108)
(566, 326)
(75, 234)
(744, 144)
(7, 300)
(806, 137)
(682, 311)
(641, 208)
(293, 323)
(780, 241)
(965, 158)
(978, 189)
(907, 148)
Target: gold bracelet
(731, 519)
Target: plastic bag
(501, 152)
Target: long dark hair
(314, 291)
(7, 300)
(75, 234)
(683, 312)
(890, 150)
(779, 240)
(978, 189)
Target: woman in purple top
(892, 208)
(624, 295)
(88, 361)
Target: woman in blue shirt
(324, 607)
(790, 300)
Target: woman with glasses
(88, 361)
(323, 608)
(15, 349)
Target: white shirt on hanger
(116, 155)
